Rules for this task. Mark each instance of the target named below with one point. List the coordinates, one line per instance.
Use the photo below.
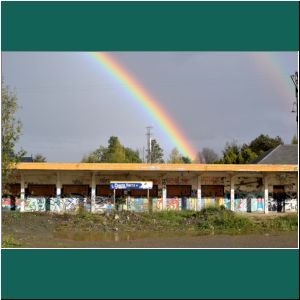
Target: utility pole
(148, 134)
(294, 78)
(143, 154)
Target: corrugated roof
(155, 167)
(282, 154)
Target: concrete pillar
(149, 201)
(164, 194)
(231, 192)
(199, 201)
(22, 193)
(58, 185)
(93, 193)
(266, 195)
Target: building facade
(65, 187)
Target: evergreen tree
(157, 153)
(264, 143)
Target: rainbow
(270, 64)
(144, 98)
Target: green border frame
(151, 26)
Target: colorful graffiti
(227, 200)
(35, 204)
(212, 202)
(157, 204)
(249, 202)
(173, 203)
(103, 203)
(11, 203)
(138, 204)
(189, 203)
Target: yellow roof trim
(60, 166)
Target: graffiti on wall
(70, 204)
(283, 202)
(157, 204)
(10, 203)
(138, 204)
(173, 203)
(189, 203)
(35, 204)
(212, 201)
(249, 202)
(56, 204)
(103, 203)
(291, 203)
(227, 200)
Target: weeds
(9, 242)
(209, 220)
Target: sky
(70, 104)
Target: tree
(39, 158)
(236, 154)
(114, 153)
(96, 156)
(264, 143)
(209, 155)
(157, 153)
(294, 140)
(10, 134)
(175, 157)
(247, 154)
(231, 153)
(186, 160)
(199, 159)
(132, 156)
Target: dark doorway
(279, 197)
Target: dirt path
(166, 240)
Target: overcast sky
(71, 106)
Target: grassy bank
(206, 221)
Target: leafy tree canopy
(233, 153)
(175, 157)
(208, 156)
(264, 143)
(115, 152)
(10, 134)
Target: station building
(65, 187)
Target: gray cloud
(70, 105)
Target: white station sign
(133, 185)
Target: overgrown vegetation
(207, 221)
(10, 134)
(9, 242)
